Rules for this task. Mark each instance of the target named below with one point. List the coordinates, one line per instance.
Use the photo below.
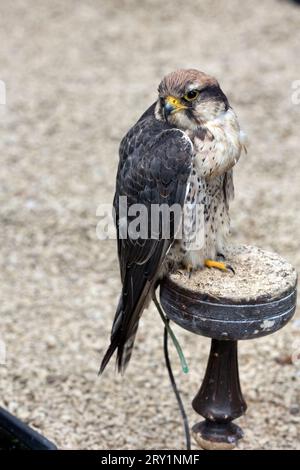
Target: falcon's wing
(155, 163)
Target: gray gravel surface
(78, 74)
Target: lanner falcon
(181, 151)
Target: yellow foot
(209, 263)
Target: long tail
(131, 306)
(124, 350)
(138, 284)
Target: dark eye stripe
(212, 91)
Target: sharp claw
(230, 268)
(220, 255)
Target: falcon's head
(188, 98)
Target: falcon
(181, 151)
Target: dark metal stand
(220, 400)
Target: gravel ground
(78, 74)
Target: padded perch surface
(257, 300)
(259, 275)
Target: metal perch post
(257, 301)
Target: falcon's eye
(191, 95)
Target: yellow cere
(175, 103)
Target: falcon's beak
(172, 105)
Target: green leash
(168, 331)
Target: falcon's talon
(230, 268)
(209, 263)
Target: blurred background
(78, 75)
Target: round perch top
(258, 299)
(259, 275)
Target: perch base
(259, 299)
